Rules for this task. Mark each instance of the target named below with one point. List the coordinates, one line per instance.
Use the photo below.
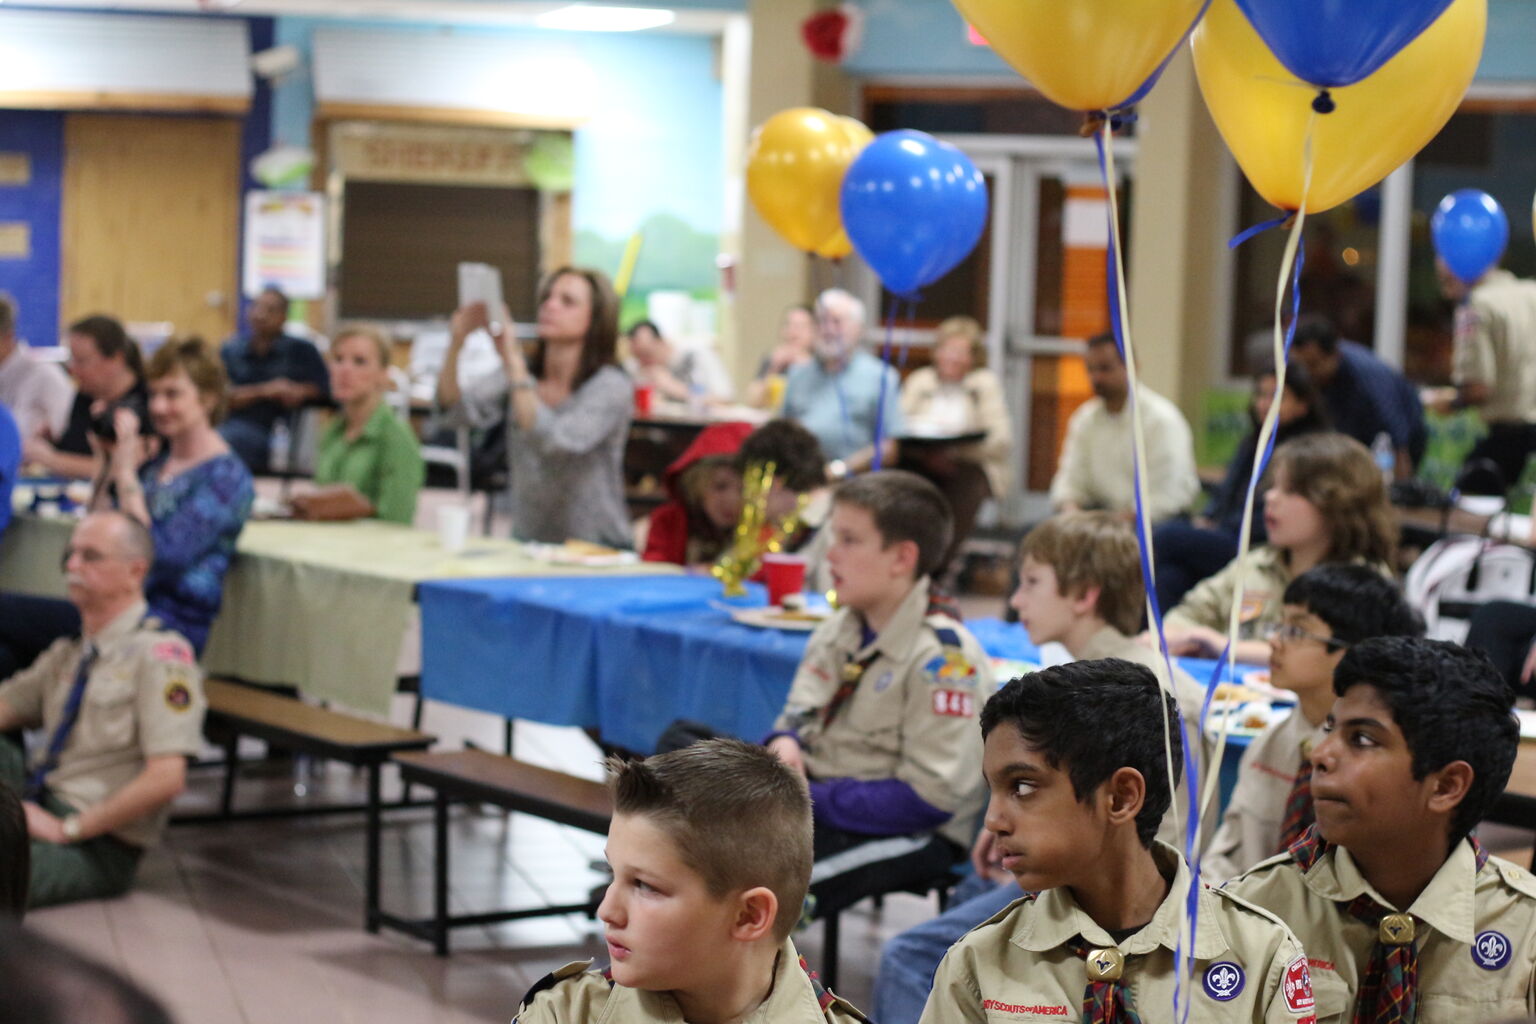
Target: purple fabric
(882, 807)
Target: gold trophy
(756, 534)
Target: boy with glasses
(1327, 610)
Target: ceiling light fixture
(602, 18)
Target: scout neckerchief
(66, 725)
(1298, 805)
(854, 668)
(1389, 987)
(1105, 1000)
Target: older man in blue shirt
(842, 393)
(271, 374)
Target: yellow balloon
(839, 246)
(1083, 54)
(1263, 110)
(795, 167)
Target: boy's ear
(906, 558)
(1126, 791)
(1450, 786)
(756, 909)
(1086, 599)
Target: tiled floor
(261, 923)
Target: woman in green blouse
(367, 446)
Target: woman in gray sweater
(567, 407)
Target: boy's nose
(608, 910)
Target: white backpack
(1456, 575)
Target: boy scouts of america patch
(178, 696)
(1296, 986)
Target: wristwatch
(71, 828)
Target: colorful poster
(285, 244)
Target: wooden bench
(303, 728)
(481, 777)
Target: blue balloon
(1470, 232)
(913, 207)
(1330, 43)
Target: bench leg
(231, 766)
(440, 874)
(371, 882)
(506, 737)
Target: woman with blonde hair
(1326, 503)
(567, 408)
(959, 394)
(368, 460)
(194, 494)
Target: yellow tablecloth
(321, 606)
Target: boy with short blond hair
(1074, 761)
(881, 714)
(1327, 610)
(710, 847)
(1404, 915)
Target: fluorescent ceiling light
(600, 18)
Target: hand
(469, 318)
(42, 825)
(287, 392)
(986, 859)
(37, 449)
(1194, 642)
(787, 749)
(1438, 400)
(127, 452)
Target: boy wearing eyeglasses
(1327, 610)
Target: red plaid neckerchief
(1298, 805)
(1104, 1002)
(1389, 986)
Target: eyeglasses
(1289, 633)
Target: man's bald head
(109, 555)
(132, 537)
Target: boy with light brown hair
(710, 848)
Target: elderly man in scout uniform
(120, 709)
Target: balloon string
(885, 375)
(1120, 324)
(1243, 236)
(1284, 334)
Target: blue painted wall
(34, 282)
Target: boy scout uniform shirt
(143, 698)
(1250, 830)
(1261, 575)
(1018, 966)
(1476, 933)
(1496, 345)
(913, 715)
(574, 993)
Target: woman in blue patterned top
(194, 494)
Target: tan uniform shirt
(143, 699)
(1250, 829)
(1260, 576)
(575, 994)
(1496, 346)
(1018, 967)
(1188, 694)
(1096, 458)
(1477, 933)
(914, 715)
(980, 394)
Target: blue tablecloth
(626, 655)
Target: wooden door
(151, 221)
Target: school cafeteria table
(626, 656)
(320, 606)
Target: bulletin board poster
(285, 244)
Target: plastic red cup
(784, 574)
(644, 393)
